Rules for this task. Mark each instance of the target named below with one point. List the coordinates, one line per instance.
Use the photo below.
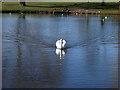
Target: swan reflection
(60, 53)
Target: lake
(31, 60)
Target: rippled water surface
(30, 59)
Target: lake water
(30, 59)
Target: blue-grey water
(30, 59)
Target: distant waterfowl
(60, 44)
(10, 13)
(98, 11)
(104, 18)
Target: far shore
(61, 8)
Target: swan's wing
(57, 43)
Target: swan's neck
(61, 44)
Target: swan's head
(61, 39)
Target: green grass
(107, 10)
(15, 6)
(91, 5)
(97, 5)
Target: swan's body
(60, 44)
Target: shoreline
(61, 8)
(51, 11)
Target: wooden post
(22, 4)
(119, 6)
(103, 2)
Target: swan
(105, 17)
(10, 13)
(60, 44)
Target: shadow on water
(31, 60)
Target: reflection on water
(60, 53)
(30, 59)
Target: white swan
(60, 44)
(10, 13)
(105, 18)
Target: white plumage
(60, 44)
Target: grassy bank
(36, 6)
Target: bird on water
(60, 44)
